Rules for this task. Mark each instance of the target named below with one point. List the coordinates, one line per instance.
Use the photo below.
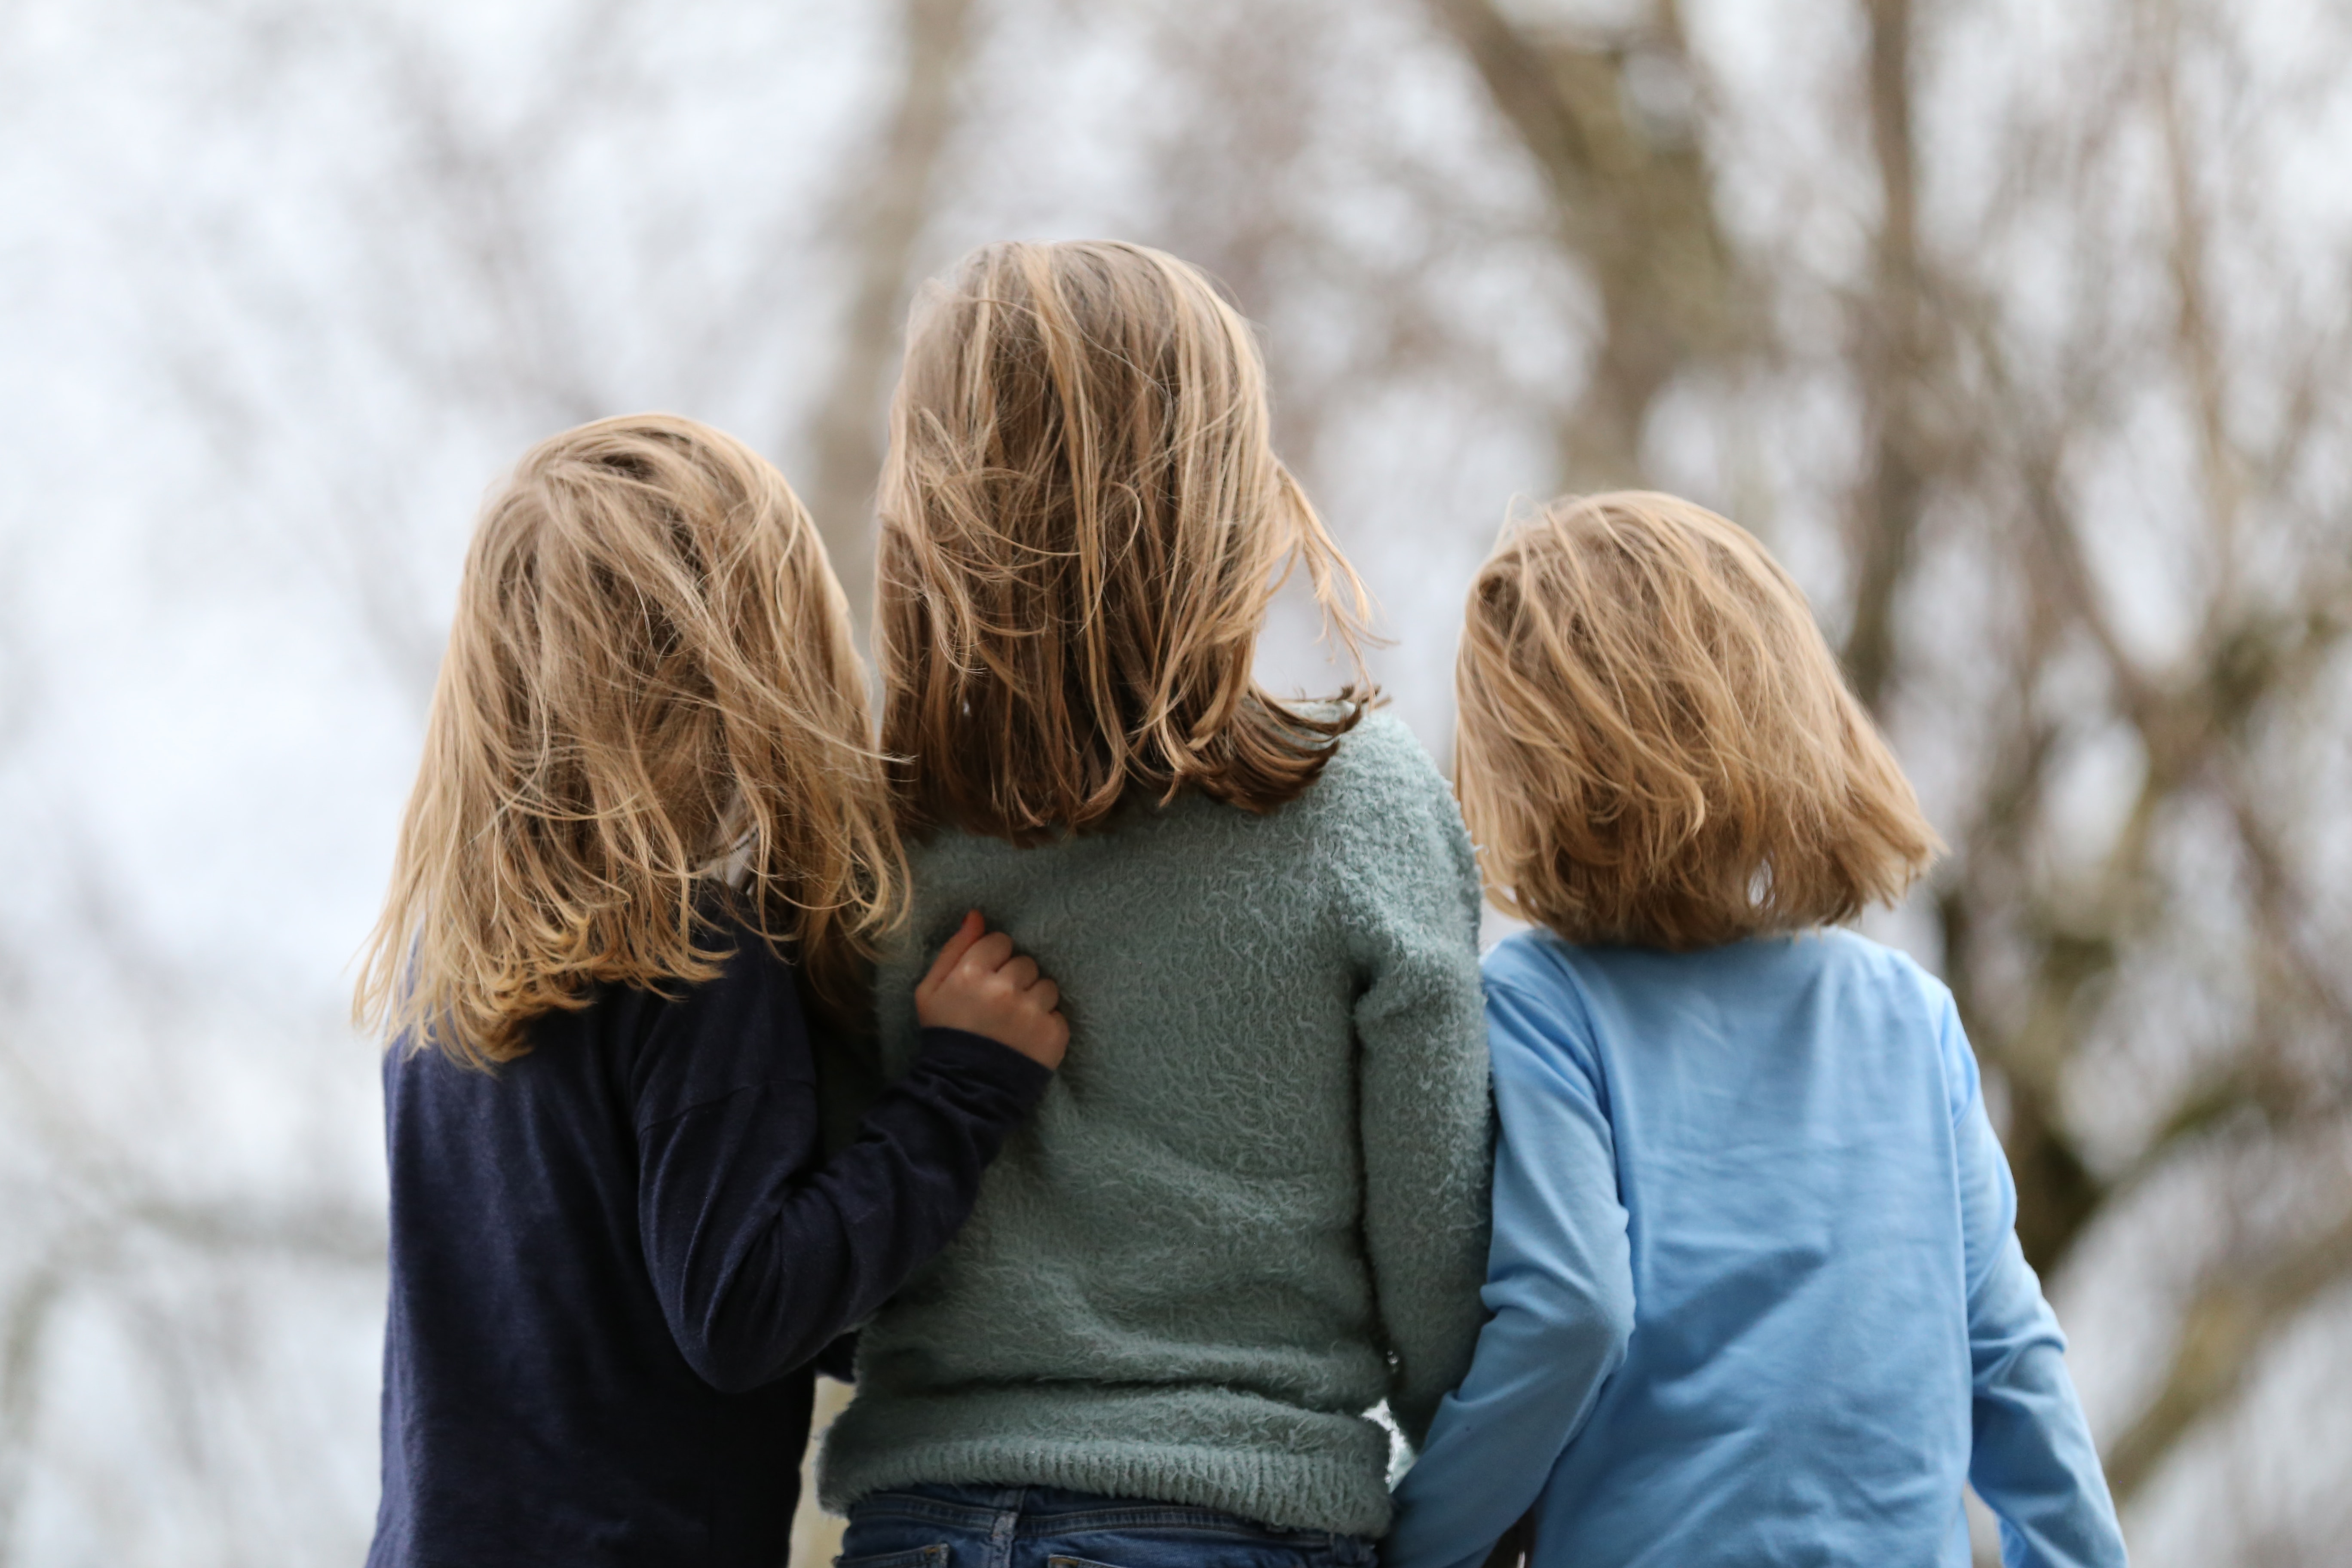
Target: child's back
(617, 1240)
(1756, 1291)
(612, 1263)
(1255, 1212)
(1179, 1283)
(1780, 1147)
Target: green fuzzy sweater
(1252, 1204)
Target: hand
(978, 983)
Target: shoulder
(1382, 788)
(747, 963)
(1383, 821)
(1538, 967)
(739, 1027)
(1529, 960)
(1889, 971)
(1538, 1012)
(1381, 756)
(1921, 1003)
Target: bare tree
(2048, 421)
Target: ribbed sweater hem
(1291, 1491)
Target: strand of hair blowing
(649, 686)
(1082, 523)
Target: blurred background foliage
(2020, 331)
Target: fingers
(952, 953)
(986, 956)
(1051, 1041)
(981, 984)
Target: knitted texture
(1252, 1204)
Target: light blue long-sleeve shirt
(1756, 1288)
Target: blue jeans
(1042, 1527)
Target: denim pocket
(920, 1557)
(1149, 1550)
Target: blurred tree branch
(2230, 1321)
(90, 1248)
(103, 1226)
(892, 200)
(1901, 363)
(2196, 724)
(1613, 129)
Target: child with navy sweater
(650, 826)
(1756, 1294)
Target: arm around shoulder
(762, 1250)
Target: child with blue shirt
(1756, 1292)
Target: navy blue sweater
(613, 1260)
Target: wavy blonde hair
(1083, 522)
(1655, 746)
(650, 693)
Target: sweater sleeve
(2032, 1461)
(1559, 1285)
(1424, 1105)
(760, 1249)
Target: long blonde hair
(650, 692)
(1655, 746)
(1083, 522)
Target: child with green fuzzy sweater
(1253, 1208)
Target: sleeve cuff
(960, 1055)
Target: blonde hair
(1083, 522)
(1655, 746)
(649, 693)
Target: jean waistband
(1051, 1510)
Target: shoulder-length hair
(1083, 522)
(1655, 746)
(650, 693)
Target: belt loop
(1001, 1529)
